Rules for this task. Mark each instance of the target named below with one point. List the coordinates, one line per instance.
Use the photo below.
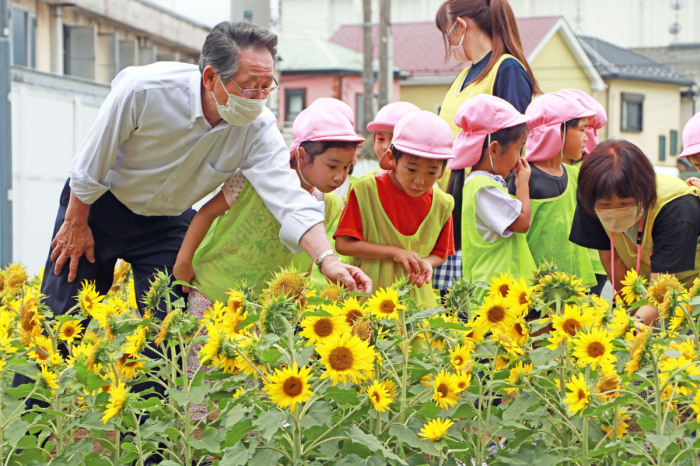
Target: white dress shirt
(152, 147)
(496, 210)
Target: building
(63, 58)
(643, 100)
(552, 49)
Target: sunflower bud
(363, 329)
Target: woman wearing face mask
(483, 32)
(653, 220)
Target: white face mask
(619, 220)
(457, 50)
(238, 110)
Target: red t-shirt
(405, 212)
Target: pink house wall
(344, 88)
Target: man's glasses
(256, 93)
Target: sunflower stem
(296, 437)
(657, 403)
(138, 437)
(404, 373)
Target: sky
(207, 12)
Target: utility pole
(367, 74)
(5, 138)
(386, 75)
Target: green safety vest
(242, 244)
(378, 229)
(548, 236)
(482, 260)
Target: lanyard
(612, 253)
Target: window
(294, 102)
(23, 24)
(632, 112)
(673, 142)
(662, 148)
(80, 51)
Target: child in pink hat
(491, 140)
(395, 223)
(383, 127)
(691, 146)
(557, 132)
(234, 238)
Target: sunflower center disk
(292, 386)
(595, 349)
(323, 327)
(571, 326)
(386, 307)
(496, 314)
(352, 316)
(503, 289)
(340, 359)
(443, 390)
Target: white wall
(50, 117)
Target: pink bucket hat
(595, 122)
(339, 105)
(322, 121)
(478, 117)
(423, 134)
(389, 115)
(691, 136)
(547, 112)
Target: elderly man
(167, 135)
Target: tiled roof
(613, 62)
(418, 47)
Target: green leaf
(672, 353)
(371, 442)
(318, 415)
(354, 460)
(519, 406)
(407, 436)
(252, 318)
(232, 417)
(341, 395)
(269, 422)
(87, 378)
(15, 431)
(209, 441)
(178, 396)
(198, 393)
(238, 431)
(271, 355)
(440, 323)
(660, 442)
(647, 423)
(265, 457)
(235, 455)
(424, 314)
(317, 313)
(543, 356)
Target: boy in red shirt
(395, 223)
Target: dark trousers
(148, 243)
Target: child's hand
(522, 174)
(183, 270)
(693, 181)
(412, 263)
(424, 277)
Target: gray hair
(222, 46)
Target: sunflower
(90, 300)
(634, 287)
(494, 314)
(15, 275)
(679, 315)
(379, 396)
(558, 286)
(238, 393)
(352, 310)
(390, 387)
(127, 367)
(695, 405)
(464, 378)
(657, 292)
(593, 347)
(518, 297)
(500, 286)
(289, 284)
(236, 301)
(571, 321)
(607, 386)
(460, 357)
(209, 353)
(637, 350)
(43, 349)
(435, 429)
(333, 292)
(363, 329)
(507, 343)
(516, 374)
(619, 324)
(578, 396)
(619, 426)
(319, 329)
(117, 398)
(70, 330)
(385, 303)
(55, 359)
(165, 327)
(346, 357)
(445, 390)
(136, 342)
(519, 332)
(289, 386)
(50, 378)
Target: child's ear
(302, 156)
(442, 172)
(389, 157)
(495, 149)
